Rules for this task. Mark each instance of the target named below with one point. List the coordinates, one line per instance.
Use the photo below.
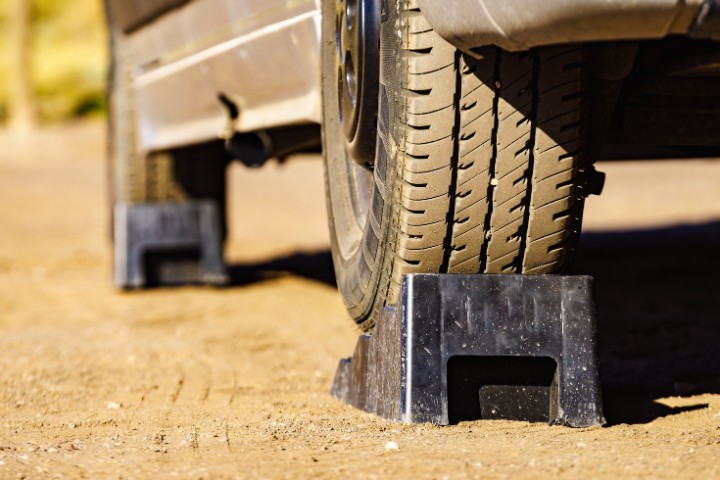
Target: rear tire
(478, 168)
(187, 173)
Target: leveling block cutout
(470, 347)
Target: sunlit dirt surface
(233, 383)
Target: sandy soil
(233, 383)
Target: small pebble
(391, 446)
(114, 405)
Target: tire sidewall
(363, 275)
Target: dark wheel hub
(357, 34)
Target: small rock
(391, 446)
(580, 445)
(114, 405)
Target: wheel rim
(357, 33)
(350, 107)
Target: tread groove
(493, 161)
(531, 163)
(454, 164)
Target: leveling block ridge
(468, 347)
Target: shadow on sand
(313, 265)
(658, 297)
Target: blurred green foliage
(68, 58)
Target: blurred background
(91, 377)
(53, 61)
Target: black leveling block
(468, 347)
(167, 244)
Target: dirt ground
(233, 382)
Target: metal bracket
(168, 244)
(467, 347)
